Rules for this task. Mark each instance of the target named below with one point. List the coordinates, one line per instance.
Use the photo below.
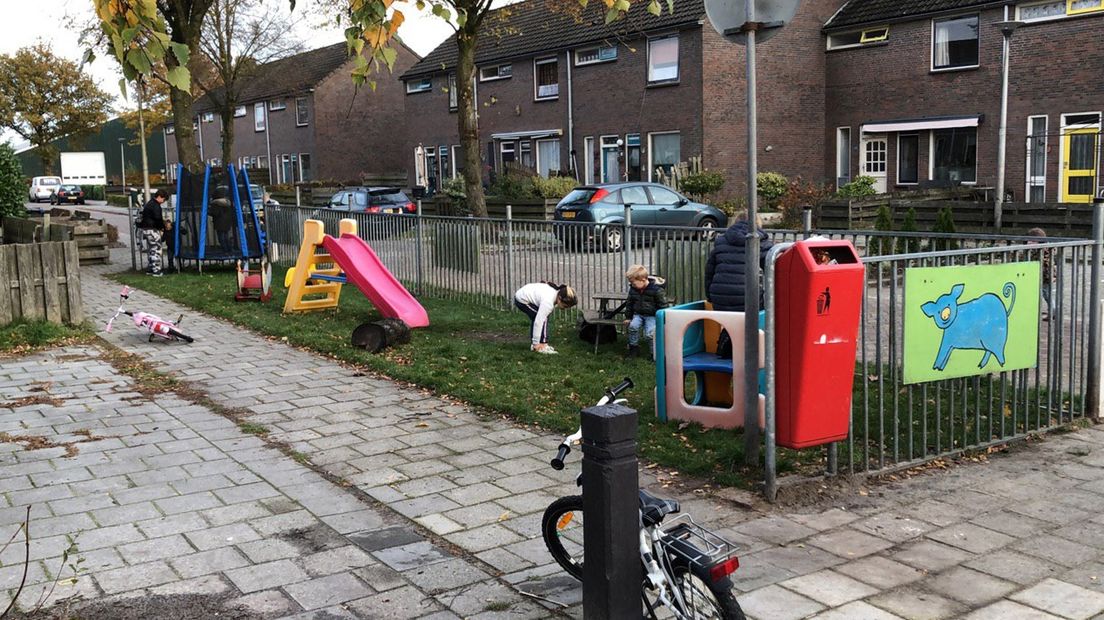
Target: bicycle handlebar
(610, 395)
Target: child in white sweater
(537, 300)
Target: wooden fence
(40, 281)
(90, 235)
(1057, 219)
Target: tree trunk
(467, 120)
(186, 29)
(227, 114)
(381, 334)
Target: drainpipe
(268, 144)
(570, 116)
(199, 132)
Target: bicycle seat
(653, 509)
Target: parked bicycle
(686, 567)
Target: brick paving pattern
(171, 497)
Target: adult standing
(153, 227)
(726, 272)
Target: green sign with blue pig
(967, 321)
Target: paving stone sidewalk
(1018, 537)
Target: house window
(262, 161)
(610, 164)
(507, 153)
(495, 72)
(664, 153)
(239, 111)
(302, 112)
(170, 130)
(663, 64)
(632, 157)
(443, 160)
(858, 37)
(431, 168)
(548, 157)
(457, 160)
(526, 154)
(208, 117)
(588, 159)
(304, 167)
(452, 92)
(258, 117)
(1084, 6)
(547, 77)
(1041, 11)
(955, 43)
(419, 86)
(276, 105)
(843, 156)
(594, 55)
(1036, 158)
(954, 154)
(908, 159)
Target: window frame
(498, 72)
(260, 124)
(850, 157)
(1070, 12)
(453, 93)
(917, 163)
(546, 60)
(242, 109)
(651, 150)
(275, 105)
(1028, 176)
(598, 49)
(537, 156)
(931, 154)
(170, 129)
(300, 121)
(866, 38)
(422, 85)
(678, 62)
(207, 117)
(949, 68)
(308, 157)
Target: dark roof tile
(288, 76)
(859, 12)
(534, 26)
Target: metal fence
(484, 260)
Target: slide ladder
(316, 274)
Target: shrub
(861, 187)
(771, 186)
(909, 245)
(553, 187)
(731, 207)
(799, 193)
(457, 194)
(13, 192)
(702, 184)
(944, 223)
(884, 222)
(512, 187)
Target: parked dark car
(372, 200)
(651, 204)
(71, 194)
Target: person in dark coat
(726, 272)
(153, 226)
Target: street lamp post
(1006, 28)
(130, 208)
(122, 163)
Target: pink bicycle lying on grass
(154, 325)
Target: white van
(42, 188)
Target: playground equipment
(215, 216)
(254, 281)
(347, 258)
(686, 337)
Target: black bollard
(611, 542)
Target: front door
(873, 163)
(1079, 148)
(611, 168)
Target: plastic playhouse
(325, 263)
(686, 344)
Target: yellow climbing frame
(324, 293)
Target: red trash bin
(818, 299)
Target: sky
(59, 22)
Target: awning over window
(519, 135)
(918, 124)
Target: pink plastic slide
(364, 269)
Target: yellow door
(1079, 148)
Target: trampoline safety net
(215, 219)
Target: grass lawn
(24, 336)
(480, 356)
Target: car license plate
(568, 215)
(392, 210)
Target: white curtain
(942, 45)
(548, 157)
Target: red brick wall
(791, 100)
(361, 132)
(1054, 70)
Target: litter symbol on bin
(824, 302)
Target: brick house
(914, 88)
(560, 92)
(302, 119)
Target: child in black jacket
(646, 297)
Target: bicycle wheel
(704, 599)
(181, 335)
(562, 529)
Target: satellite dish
(728, 16)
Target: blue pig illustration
(980, 323)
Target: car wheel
(612, 238)
(708, 228)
